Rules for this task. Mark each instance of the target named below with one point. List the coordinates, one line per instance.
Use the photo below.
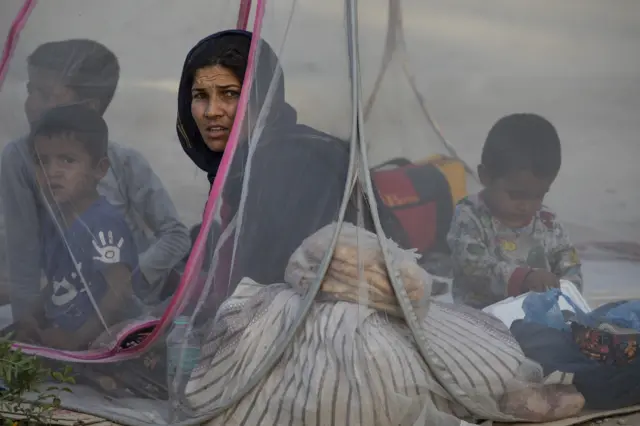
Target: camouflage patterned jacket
(491, 261)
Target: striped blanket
(352, 365)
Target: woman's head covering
(207, 52)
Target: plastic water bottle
(183, 354)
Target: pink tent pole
(12, 38)
(243, 14)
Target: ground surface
(631, 420)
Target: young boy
(504, 242)
(83, 72)
(88, 253)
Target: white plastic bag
(357, 272)
(509, 310)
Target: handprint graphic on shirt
(63, 291)
(108, 250)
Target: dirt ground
(630, 420)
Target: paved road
(576, 62)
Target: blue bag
(544, 309)
(625, 315)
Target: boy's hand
(540, 281)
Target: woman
(297, 174)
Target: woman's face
(214, 100)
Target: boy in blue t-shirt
(88, 254)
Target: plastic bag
(544, 309)
(357, 272)
(625, 315)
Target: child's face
(45, 90)
(514, 199)
(65, 170)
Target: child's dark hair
(522, 142)
(88, 127)
(87, 67)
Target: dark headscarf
(204, 53)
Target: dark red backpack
(415, 204)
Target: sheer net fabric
(317, 284)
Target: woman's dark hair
(522, 142)
(87, 67)
(231, 52)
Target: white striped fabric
(350, 365)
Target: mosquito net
(285, 225)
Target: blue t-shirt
(74, 259)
